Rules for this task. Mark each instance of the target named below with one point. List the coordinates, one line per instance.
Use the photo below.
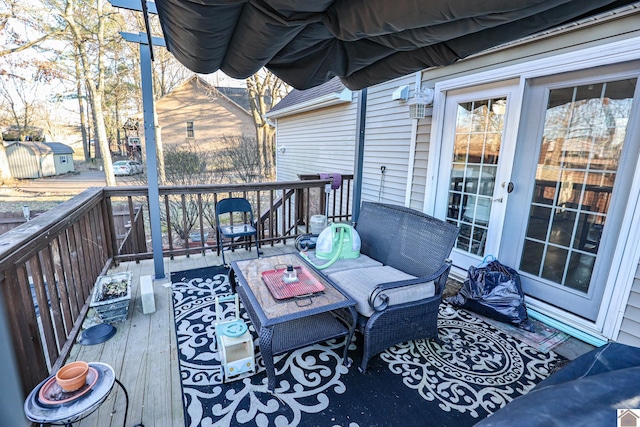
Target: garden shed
(35, 159)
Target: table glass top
(251, 270)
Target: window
(190, 132)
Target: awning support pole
(152, 160)
(146, 42)
(361, 116)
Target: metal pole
(361, 117)
(152, 161)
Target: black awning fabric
(364, 42)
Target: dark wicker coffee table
(287, 324)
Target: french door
(476, 156)
(573, 169)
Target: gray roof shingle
(296, 96)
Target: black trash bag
(494, 290)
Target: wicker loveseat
(399, 277)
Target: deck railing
(48, 265)
(282, 211)
(47, 269)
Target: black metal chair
(235, 207)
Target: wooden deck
(144, 353)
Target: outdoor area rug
(475, 370)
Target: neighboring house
(200, 113)
(35, 159)
(310, 142)
(530, 148)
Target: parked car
(127, 167)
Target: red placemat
(306, 284)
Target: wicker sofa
(399, 277)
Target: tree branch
(29, 44)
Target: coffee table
(288, 324)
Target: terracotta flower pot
(72, 376)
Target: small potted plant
(111, 296)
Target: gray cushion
(359, 283)
(362, 261)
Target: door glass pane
(584, 131)
(478, 136)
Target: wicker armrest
(378, 291)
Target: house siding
(213, 116)
(323, 140)
(419, 180)
(630, 327)
(387, 143)
(319, 141)
(570, 41)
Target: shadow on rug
(473, 372)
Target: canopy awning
(364, 42)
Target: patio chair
(231, 207)
(398, 299)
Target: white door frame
(509, 90)
(627, 255)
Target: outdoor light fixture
(422, 99)
(26, 212)
(282, 149)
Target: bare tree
(265, 90)
(88, 27)
(240, 158)
(37, 25)
(188, 165)
(20, 82)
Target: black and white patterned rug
(476, 370)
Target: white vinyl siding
(418, 185)
(317, 141)
(630, 327)
(387, 143)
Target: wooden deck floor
(143, 352)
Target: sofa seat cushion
(360, 282)
(362, 261)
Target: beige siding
(68, 166)
(387, 143)
(47, 165)
(213, 116)
(22, 162)
(317, 141)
